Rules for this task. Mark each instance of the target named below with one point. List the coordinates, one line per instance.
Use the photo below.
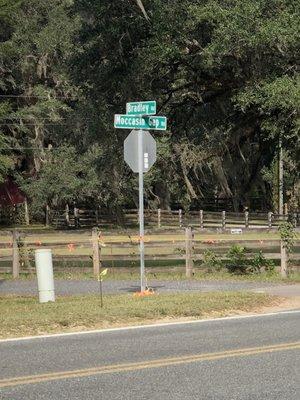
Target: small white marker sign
(146, 160)
(236, 231)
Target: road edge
(150, 326)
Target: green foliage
(6, 160)
(287, 235)
(225, 72)
(237, 262)
(8, 11)
(211, 261)
(33, 59)
(66, 177)
(26, 255)
(259, 262)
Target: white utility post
(44, 272)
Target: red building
(10, 194)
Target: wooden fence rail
(83, 218)
(75, 217)
(80, 217)
(18, 255)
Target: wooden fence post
(159, 218)
(25, 255)
(246, 219)
(67, 215)
(76, 217)
(189, 262)
(180, 218)
(201, 219)
(26, 212)
(270, 219)
(97, 216)
(47, 215)
(283, 260)
(223, 220)
(295, 220)
(15, 255)
(96, 252)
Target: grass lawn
(178, 275)
(170, 274)
(21, 316)
(126, 237)
(198, 275)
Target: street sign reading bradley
(141, 108)
(131, 151)
(134, 122)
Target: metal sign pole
(141, 207)
(140, 153)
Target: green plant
(211, 261)
(26, 255)
(287, 235)
(237, 261)
(259, 261)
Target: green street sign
(146, 123)
(141, 108)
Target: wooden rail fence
(76, 217)
(83, 218)
(18, 255)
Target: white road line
(150, 326)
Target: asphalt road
(74, 287)
(255, 358)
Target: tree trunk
(162, 192)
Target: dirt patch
(276, 305)
(284, 304)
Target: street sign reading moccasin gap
(126, 121)
(131, 153)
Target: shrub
(259, 261)
(237, 262)
(211, 261)
(287, 235)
